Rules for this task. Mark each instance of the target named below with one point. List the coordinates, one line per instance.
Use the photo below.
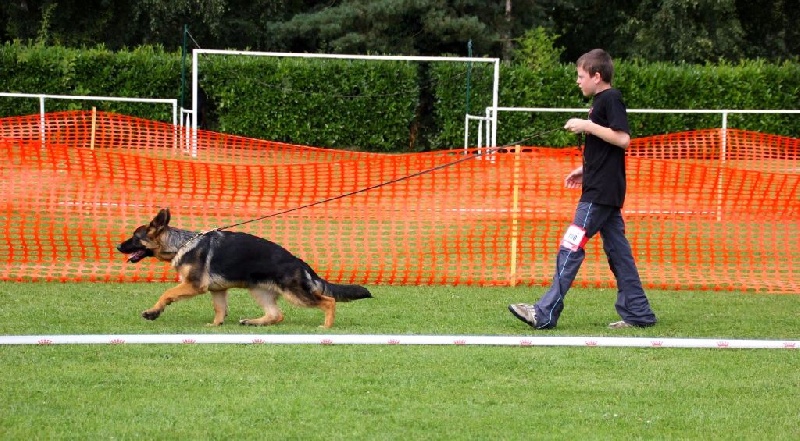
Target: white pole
(466, 132)
(722, 157)
(480, 136)
(345, 339)
(495, 101)
(41, 119)
(194, 102)
(491, 127)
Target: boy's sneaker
(524, 312)
(623, 324)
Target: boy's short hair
(597, 60)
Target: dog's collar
(192, 239)
(182, 249)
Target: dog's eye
(140, 233)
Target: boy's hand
(617, 137)
(577, 125)
(574, 179)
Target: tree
(583, 25)
(654, 30)
(408, 27)
(692, 31)
(67, 22)
(536, 49)
(771, 28)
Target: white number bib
(575, 238)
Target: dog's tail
(346, 293)
(340, 293)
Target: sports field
(452, 392)
(706, 230)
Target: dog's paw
(151, 314)
(213, 324)
(262, 321)
(256, 322)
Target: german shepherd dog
(219, 260)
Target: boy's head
(595, 71)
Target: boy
(602, 179)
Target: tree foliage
(411, 27)
(696, 31)
(691, 31)
(536, 49)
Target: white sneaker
(524, 312)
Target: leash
(478, 153)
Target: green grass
(352, 392)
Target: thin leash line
(382, 184)
(480, 152)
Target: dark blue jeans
(632, 304)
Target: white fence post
(43, 111)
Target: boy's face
(588, 83)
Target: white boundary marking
(353, 339)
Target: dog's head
(146, 240)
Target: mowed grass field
(391, 392)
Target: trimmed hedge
(749, 85)
(146, 72)
(392, 106)
(326, 102)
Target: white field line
(352, 339)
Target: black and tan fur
(219, 260)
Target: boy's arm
(616, 137)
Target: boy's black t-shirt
(604, 163)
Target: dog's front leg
(220, 299)
(180, 292)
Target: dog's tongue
(135, 257)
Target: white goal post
(491, 115)
(196, 53)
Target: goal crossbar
(495, 83)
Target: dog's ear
(161, 220)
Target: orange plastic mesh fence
(705, 209)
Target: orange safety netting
(708, 209)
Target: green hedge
(329, 102)
(391, 106)
(145, 72)
(749, 85)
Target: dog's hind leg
(267, 298)
(322, 299)
(180, 292)
(328, 306)
(304, 290)
(220, 299)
